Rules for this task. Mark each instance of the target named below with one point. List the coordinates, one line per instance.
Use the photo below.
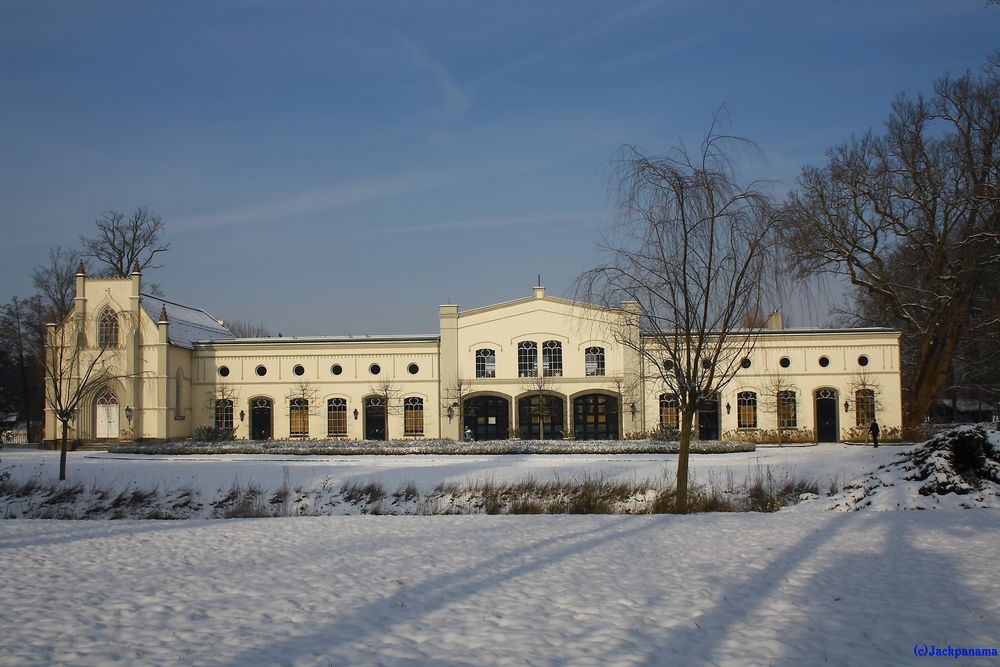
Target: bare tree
(122, 243)
(626, 387)
(302, 403)
(245, 329)
(387, 397)
(912, 218)
(56, 281)
(217, 400)
(74, 372)
(22, 339)
(540, 407)
(454, 400)
(688, 258)
(779, 397)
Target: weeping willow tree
(685, 260)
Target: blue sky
(344, 167)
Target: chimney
(775, 321)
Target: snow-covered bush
(956, 462)
(410, 447)
(958, 468)
(765, 436)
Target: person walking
(874, 430)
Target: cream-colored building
(533, 367)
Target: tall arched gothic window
(593, 361)
(298, 414)
(552, 358)
(670, 416)
(486, 363)
(864, 410)
(527, 359)
(787, 417)
(413, 416)
(336, 417)
(746, 409)
(107, 329)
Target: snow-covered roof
(794, 331)
(324, 340)
(186, 324)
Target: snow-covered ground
(804, 586)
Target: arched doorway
(375, 418)
(261, 413)
(827, 429)
(541, 416)
(708, 418)
(106, 415)
(488, 417)
(595, 417)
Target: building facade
(536, 367)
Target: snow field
(721, 589)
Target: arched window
(670, 416)
(864, 406)
(179, 394)
(552, 358)
(527, 359)
(746, 409)
(106, 397)
(224, 414)
(298, 417)
(787, 417)
(486, 363)
(593, 361)
(107, 329)
(336, 417)
(413, 416)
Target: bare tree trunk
(687, 420)
(929, 376)
(62, 452)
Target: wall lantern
(128, 413)
(451, 412)
(243, 415)
(729, 408)
(847, 406)
(355, 414)
(631, 407)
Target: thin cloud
(458, 99)
(493, 222)
(308, 203)
(570, 42)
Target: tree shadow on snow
(446, 589)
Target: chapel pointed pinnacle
(80, 270)
(163, 314)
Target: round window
(706, 363)
(374, 369)
(224, 371)
(863, 360)
(668, 365)
(336, 369)
(261, 371)
(412, 369)
(785, 362)
(299, 369)
(824, 362)
(745, 363)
